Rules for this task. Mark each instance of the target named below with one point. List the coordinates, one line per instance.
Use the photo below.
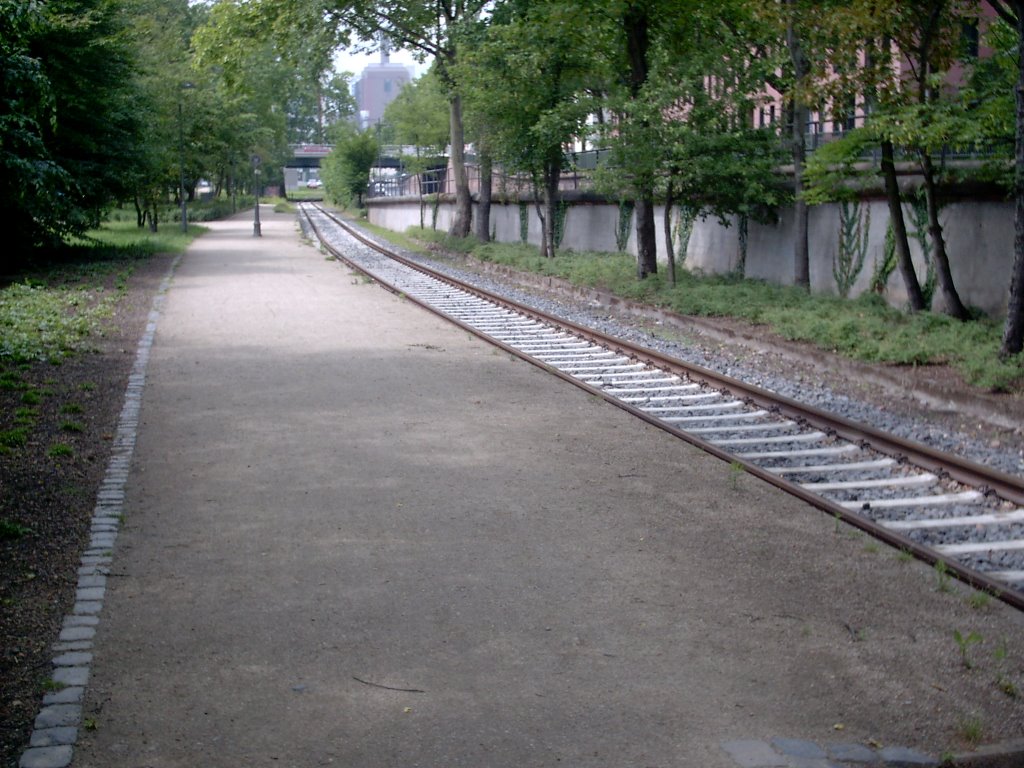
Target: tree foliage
(67, 113)
(346, 171)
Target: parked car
(314, 184)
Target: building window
(387, 86)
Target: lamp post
(181, 157)
(256, 216)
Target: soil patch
(48, 486)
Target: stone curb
(56, 727)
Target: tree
(714, 162)
(432, 30)
(526, 80)
(68, 115)
(346, 171)
(418, 117)
(1012, 12)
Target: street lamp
(181, 157)
(256, 216)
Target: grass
(60, 450)
(865, 328)
(13, 438)
(53, 309)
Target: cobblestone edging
(55, 730)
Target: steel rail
(967, 472)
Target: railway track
(965, 518)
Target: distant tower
(379, 84)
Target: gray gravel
(1008, 456)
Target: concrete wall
(979, 240)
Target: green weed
(964, 643)
(32, 397)
(11, 531)
(943, 577)
(13, 438)
(71, 409)
(60, 450)
(979, 600)
(72, 426)
(972, 730)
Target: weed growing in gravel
(979, 600)
(736, 471)
(71, 426)
(70, 409)
(964, 643)
(972, 730)
(1003, 681)
(944, 579)
(87, 386)
(872, 548)
(11, 531)
(59, 450)
(905, 556)
(51, 686)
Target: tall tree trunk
(954, 307)
(1013, 330)
(915, 296)
(483, 209)
(670, 249)
(646, 248)
(637, 22)
(800, 112)
(463, 219)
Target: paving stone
(88, 607)
(903, 757)
(46, 757)
(90, 593)
(71, 695)
(81, 621)
(74, 645)
(73, 659)
(94, 570)
(798, 748)
(54, 737)
(98, 559)
(71, 634)
(750, 753)
(71, 675)
(56, 715)
(92, 581)
(852, 753)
